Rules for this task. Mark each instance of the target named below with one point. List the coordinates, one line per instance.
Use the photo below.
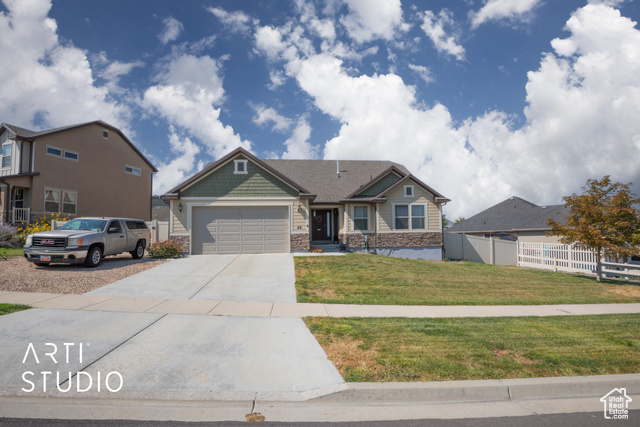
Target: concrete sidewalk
(90, 302)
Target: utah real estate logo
(616, 404)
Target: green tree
(605, 218)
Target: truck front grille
(50, 242)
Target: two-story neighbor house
(242, 204)
(88, 169)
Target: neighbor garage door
(240, 230)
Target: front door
(321, 224)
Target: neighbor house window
(6, 155)
(408, 190)
(105, 134)
(56, 201)
(410, 217)
(132, 170)
(61, 153)
(240, 166)
(361, 218)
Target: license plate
(45, 258)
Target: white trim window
(240, 166)
(60, 201)
(410, 216)
(6, 155)
(408, 191)
(61, 153)
(132, 170)
(361, 218)
(105, 133)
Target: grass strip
(12, 308)
(395, 349)
(371, 279)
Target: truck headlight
(75, 241)
(29, 241)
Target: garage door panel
(228, 230)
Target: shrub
(7, 232)
(166, 249)
(39, 225)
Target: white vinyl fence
(573, 259)
(480, 249)
(557, 257)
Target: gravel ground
(17, 274)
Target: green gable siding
(381, 185)
(224, 183)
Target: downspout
(375, 230)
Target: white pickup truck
(88, 240)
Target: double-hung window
(410, 217)
(56, 201)
(6, 155)
(361, 218)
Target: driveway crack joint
(214, 277)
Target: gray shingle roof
(512, 214)
(321, 177)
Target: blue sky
(481, 99)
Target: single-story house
(242, 204)
(513, 219)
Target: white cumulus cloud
(182, 164)
(267, 115)
(235, 22)
(498, 10)
(373, 19)
(45, 83)
(581, 119)
(189, 94)
(171, 31)
(435, 27)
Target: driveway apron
(172, 355)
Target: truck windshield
(84, 224)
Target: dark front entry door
(321, 223)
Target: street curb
(485, 390)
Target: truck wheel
(138, 252)
(94, 257)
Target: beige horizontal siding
(300, 219)
(179, 218)
(397, 197)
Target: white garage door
(240, 230)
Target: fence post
(492, 256)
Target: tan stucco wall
(98, 177)
(434, 222)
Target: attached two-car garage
(240, 230)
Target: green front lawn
(11, 308)
(372, 279)
(393, 349)
(11, 252)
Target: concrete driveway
(172, 356)
(264, 278)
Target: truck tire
(94, 257)
(138, 252)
